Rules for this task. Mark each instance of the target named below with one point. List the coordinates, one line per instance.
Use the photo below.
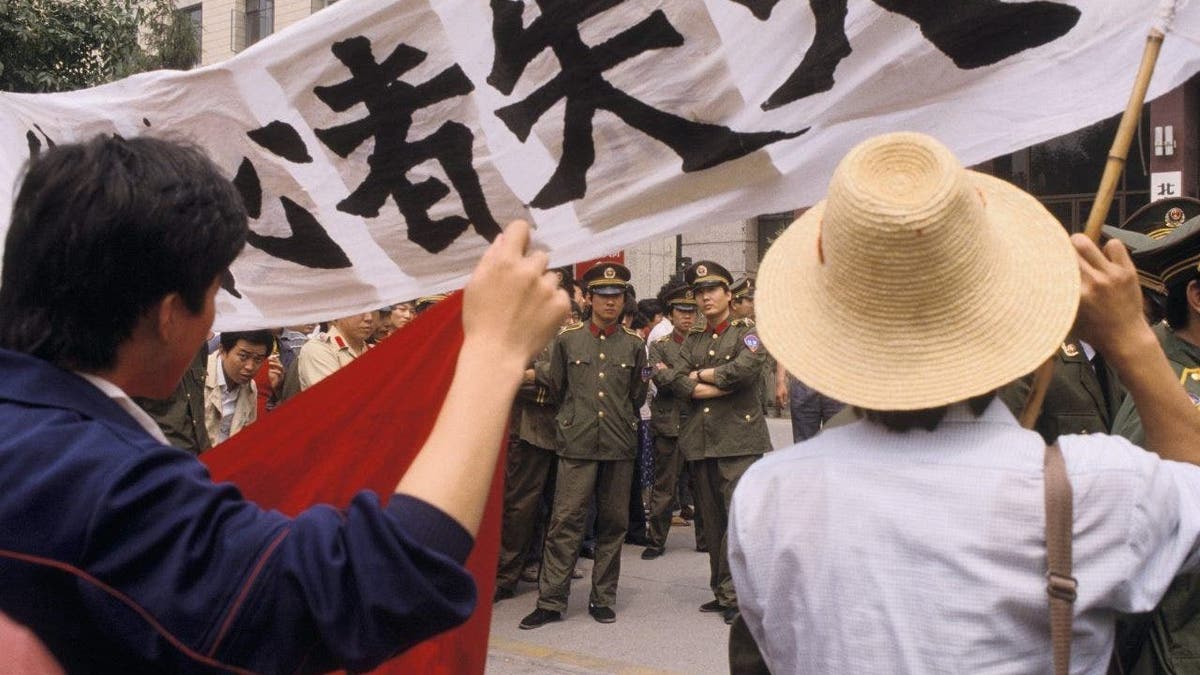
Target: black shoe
(730, 614)
(587, 552)
(687, 513)
(651, 553)
(602, 614)
(540, 617)
(701, 548)
(637, 539)
(713, 606)
(503, 594)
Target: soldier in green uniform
(666, 413)
(742, 307)
(1168, 641)
(529, 471)
(720, 373)
(596, 369)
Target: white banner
(379, 144)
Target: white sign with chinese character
(1166, 184)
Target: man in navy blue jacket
(117, 550)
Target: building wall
(224, 24)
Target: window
(260, 20)
(195, 13)
(318, 5)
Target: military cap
(707, 273)
(1171, 260)
(744, 288)
(1158, 219)
(426, 301)
(607, 279)
(1133, 240)
(679, 297)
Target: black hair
(641, 320)
(927, 418)
(101, 232)
(650, 307)
(262, 338)
(1177, 310)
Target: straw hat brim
(1001, 326)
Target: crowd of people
(909, 529)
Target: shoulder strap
(1060, 584)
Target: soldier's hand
(511, 302)
(1110, 308)
(660, 366)
(781, 395)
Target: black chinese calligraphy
(582, 84)
(35, 143)
(309, 244)
(283, 140)
(973, 33)
(390, 103)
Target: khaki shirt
(727, 426)
(245, 407)
(598, 379)
(667, 410)
(1185, 361)
(322, 356)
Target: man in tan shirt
(230, 395)
(345, 341)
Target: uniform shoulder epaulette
(663, 338)
(749, 323)
(575, 326)
(698, 329)
(632, 332)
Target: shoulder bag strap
(1060, 584)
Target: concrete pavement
(659, 628)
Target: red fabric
(262, 379)
(360, 428)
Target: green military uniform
(530, 468)
(181, 417)
(743, 290)
(667, 412)
(722, 436)
(1167, 640)
(1083, 396)
(597, 374)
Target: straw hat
(916, 283)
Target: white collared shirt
(869, 551)
(122, 399)
(229, 398)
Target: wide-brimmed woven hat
(916, 283)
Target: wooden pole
(1108, 187)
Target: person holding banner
(915, 540)
(118, 551)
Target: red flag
(359, 429)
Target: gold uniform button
(601, 337)
(1195, 376)
(602, 356)
(601, 413)
(602, 376)
(747, 418)
(727, 357)
(714, 336)
(711, 353)
(706, 411)
(601, 394)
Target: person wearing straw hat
(666, 413)
(725, 432)
(914, 540)
(596, 369)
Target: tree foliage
(60, 45)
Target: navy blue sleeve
(225, 582)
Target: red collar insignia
(597, 330)
(721, 327)
(677, 337)
(340, 342)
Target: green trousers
(576, 482)
(527, 471)
(668, 461)
(714, 482)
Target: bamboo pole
(1108, 187)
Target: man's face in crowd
(743, 308)
(402, 314)
(682, 320)
(383, 326)
(713, 301)
(242, 362)
(304, 328)
(358, 327)
(607, 308)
